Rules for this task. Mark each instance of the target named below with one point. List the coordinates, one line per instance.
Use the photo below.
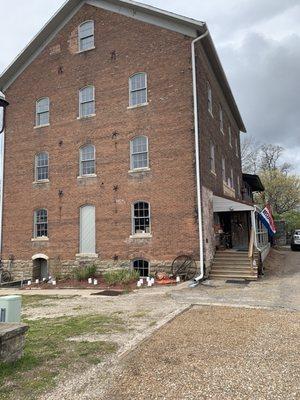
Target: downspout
(200, 277)
(2, 139)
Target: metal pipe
(200, 277)
(2, 139)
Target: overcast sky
(258, 42)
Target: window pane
(138, 81)
(88, 153)
(87, 109)
(87, 43)
(87, 94)
(88, 167)
(42, 173)
(140, 160)
(141, 218)
(139, 145)
(42, 105)
(86, 29)
(138, 97)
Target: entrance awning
(221, 204)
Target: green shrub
(84, 273)
(124, 276)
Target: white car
(295, 244)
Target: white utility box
(10, 309)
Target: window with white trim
(138, 89)
(87, 160)
(42, 112)
(139, 157)
(87, 230)
(221, 119)
(212, 158)
(86, 40)
(41, 223)
(230, 136)
(239, 186)
(142, 266)
(141, 218)
(42, 166)
(87, 101)
(209, 99)
(223, 170)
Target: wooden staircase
(230, 264)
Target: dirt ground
(246, 349)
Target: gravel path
(215, 353)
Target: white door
(87, 230)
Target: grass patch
(38, 300)
(49, 352)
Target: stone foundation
(22, 269)
(12, 341)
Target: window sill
(84, 51)
(86, 116)
(213, 173)
(141, 236)
(222, 131)
(211, 114)
(137, 106)
(87, 255)
(138, 170)
(87, 176)
(41, 239)
(41, 182)
(41, 126)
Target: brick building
(101, 164)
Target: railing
(251, 248)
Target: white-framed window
(238, 186)
(138, 89)
(41, 223)
(139, 154)
(87, 101)
(87, 160)
(230, 136)
(87, 229)
(42, 112)
(141, 223)
(142, 266)
(209, 99)
(221, 119)
(86, 39)
(223, 170)
(42, 166)
(212, 158)
(237, 147)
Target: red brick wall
(210, 130)
(167, 121)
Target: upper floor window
(42, 112)
(212, 158)
(221, 119)
(87, 101)
(42, 167)
(231, 179)
(138, 90)
(41, 223)
(230, 136)
(237, 147)
(87, 160)
(209, 99)
(139, 153)
(223, 170)
(141, 218)
(86, 36)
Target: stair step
(230, 261)
(237, 269)
(226, 276)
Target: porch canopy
(220, 204)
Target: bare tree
(250, 150)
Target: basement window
(86, 38)
(142, 266)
